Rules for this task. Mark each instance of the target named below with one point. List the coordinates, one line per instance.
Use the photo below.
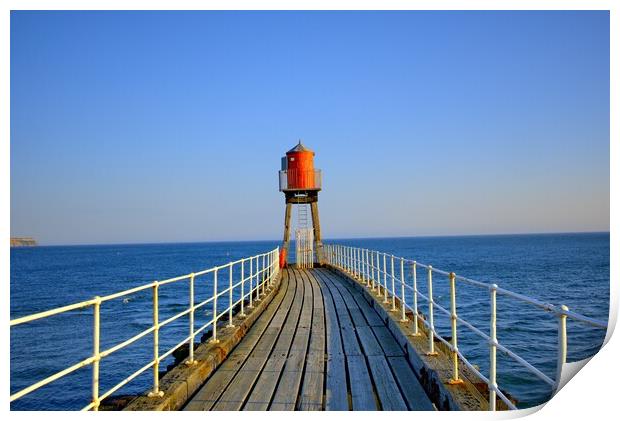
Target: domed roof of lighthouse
(300, 147)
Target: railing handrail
(545, 306)
(365, 265)
(263, 270)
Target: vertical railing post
(371, 263)
(352, 251)
(268, 257)
(335, 249)
(349, 260)
(378, 276)
(337, 258)
(414, 269)
(192, 278)
(338, 250)
(360, 273)
(403, 314)
(363, 266)
(329, 255)
(214, 320)
(275, 264)
(431, 322)
(385, 288)
(336, 255)
(493, 350)
(156, 392)
(242, 314)
(257, 274)
(455, 356)
(96, 355)
(263, 275)
(270, 263)
(366, 268)
(251, 288)
(393, 286)
(562, 346)
(230, 295)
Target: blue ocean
(570, 269)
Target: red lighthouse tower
(300, 182)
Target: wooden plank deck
(319, 345)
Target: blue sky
(169, 126)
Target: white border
(590, 395)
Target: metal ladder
(304, 238)
(302, 216)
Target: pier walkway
(319, 345)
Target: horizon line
(324, 239)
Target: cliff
(23, 242)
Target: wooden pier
(319, 345)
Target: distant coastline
(328, 239)
(23, 242)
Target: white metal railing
(300, 179)
(371, 267)
(262, 270)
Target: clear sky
(169, 126)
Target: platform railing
(371, 267)
(300, 179)
(262, 271)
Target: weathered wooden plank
(207, 396)
(413, 393)
(336, 398)
(357, 302)
(371, 315)
(235, 395)
(387, 389)
(357, 316)
(332, 327)
(311, 397)
(344, 319)
(362, 394)
(349, 341)
(336, 393)
(285, 396)
(317, 334)
(391, 348)
(265, 385)
(370, 345)
(347, 330)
